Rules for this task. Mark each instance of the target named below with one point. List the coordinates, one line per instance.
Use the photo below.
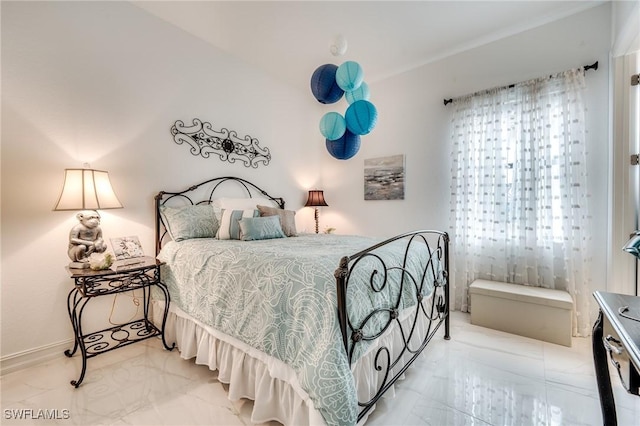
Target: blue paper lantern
(360, 94)
(332, 126)
(324, 86)
(345, 147)
(361, 117)
(349, 75)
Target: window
(519, 198)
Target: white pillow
(240, 203)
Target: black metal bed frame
(434, 310)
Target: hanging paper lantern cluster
(328, 83)
(361, 117)
(332, 126)
(359, 94)
(349, 76)
(345, 147)
(324, 86)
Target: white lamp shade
(87, 189)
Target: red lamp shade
(316, 199)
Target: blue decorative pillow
(188, 222)
(229, 223)
(287, 219)
(260, 228)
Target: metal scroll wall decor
(225, 143)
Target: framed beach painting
(384, 178)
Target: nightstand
(89, 284)
(616, 335)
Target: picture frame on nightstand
(127, 251)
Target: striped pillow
(230, 223)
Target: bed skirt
(271, 384)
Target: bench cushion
(539, 313)
(523, 293)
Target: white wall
(413, 121)
(625, 206)
(102, 82)
(625, 17)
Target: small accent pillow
(287, 219)
(188, 222)
(229, 223)
(260, 228)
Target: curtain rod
(593, 66)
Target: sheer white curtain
(519, 196)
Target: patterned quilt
(279, 296)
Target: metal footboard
(431, 309)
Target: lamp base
(79, 265)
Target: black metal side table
(90, 284)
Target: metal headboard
(187, 196)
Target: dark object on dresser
(616, 332)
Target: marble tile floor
(479, 377)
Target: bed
(314, 328)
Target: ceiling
(290, 39)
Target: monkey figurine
(86, 237)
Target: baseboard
(32, 357)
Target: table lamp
(86, 190)
(316, 199)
